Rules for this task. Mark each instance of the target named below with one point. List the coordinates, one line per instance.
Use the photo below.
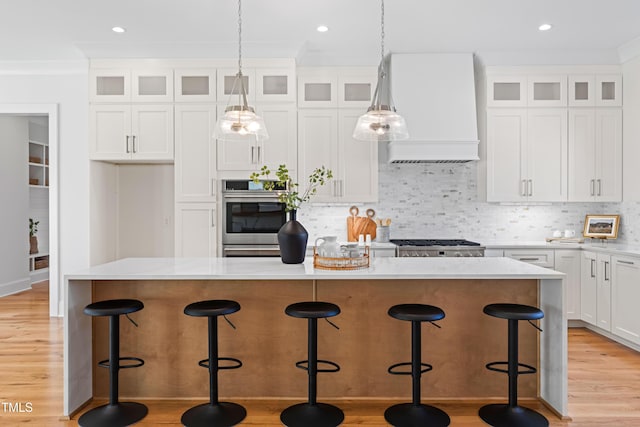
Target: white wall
(66, 85)
(14, 199)
(631, 129)
(104, 212)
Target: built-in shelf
(38, 164)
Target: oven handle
(229, 196)
(252, 251)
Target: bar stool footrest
(529, 369)
(105, 363)
(304, 365)
(237, 363)
(426, 366)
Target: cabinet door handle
(593, 187)
(606, 276)
(529, 259)
(524, 188)
(341, 188)
(335, 188)
(259, 154)
(253, 149)
(599, 187)
(593, 274)
(213, 187)
(213, 218)
(530, 187)
(133, 139)
(127, 144)
(625, 262)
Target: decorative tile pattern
(440, 201)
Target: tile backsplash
(440, 201)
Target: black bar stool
(115, 413)
(214, 413)
(511, 414)
(312, 413)
(415, 413)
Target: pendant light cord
(240, 36)
(381, 30)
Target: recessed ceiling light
(545, 27)
(323, 29)
(118, 30)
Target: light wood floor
(604, 379)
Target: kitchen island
(269, 342)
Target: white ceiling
(76, 29)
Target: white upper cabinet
(245, 153)
(195, 85)
(195, 157)
(506, 91)
(547, 91)
(356, 91)
(125, 85)
(275, 85)
(131, 132)
(325, 139)
(227, 85)
(595, 154)
(264, 85)
(318, 90)
(595, 90)
(326, 87)
(609, 90)
(526, 155)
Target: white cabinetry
(526, 155)
(195, 231)
(336, 87)
(539, 257)
(625, 294)
(130, 85)
(195, 160)
(568, 262)
(195, 85)
(588, 287)
(248, 154)
(595, 154)
(595, 289)
(591, 90)
(131, 132)
(325, 139)
(506, 91)
(264, 85)
(547, 91)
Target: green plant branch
(291, 196)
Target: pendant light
(240, 119)
(381, 122)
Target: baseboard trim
(15, 287)
(606, 334)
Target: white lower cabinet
(568, 262)
(195, 230)
(595, 289)
(588, 287)
(625, 295)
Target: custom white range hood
(435, 93)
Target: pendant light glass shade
(381, 122)
(240, 119)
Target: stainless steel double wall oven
(251, 218)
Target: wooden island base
(269, 343)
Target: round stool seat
(216, 307)
(113, 307)
(416, 312)
(513, 311)
(312, 310)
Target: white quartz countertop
(595, 246)
(273, 269)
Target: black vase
(292, 239)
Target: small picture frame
(601, 226)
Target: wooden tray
(327, 263)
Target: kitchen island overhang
(264, 286)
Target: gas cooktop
(433, 242)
